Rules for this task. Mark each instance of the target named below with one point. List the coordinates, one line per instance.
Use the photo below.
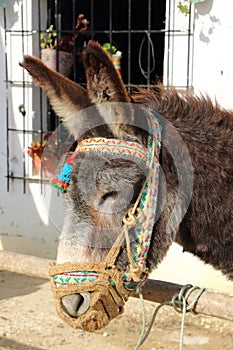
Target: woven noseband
(109, 287)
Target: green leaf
(183, 8)
(107, 48)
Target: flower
(38, 147)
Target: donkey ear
(65, 96)
(104, 84)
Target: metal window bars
(151, 35)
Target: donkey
(103, 187)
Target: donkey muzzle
(89, 305)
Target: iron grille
(144, 31)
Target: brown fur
(207, 131)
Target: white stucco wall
(29, 222)
(213, 50)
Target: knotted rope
(180, 304)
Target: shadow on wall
(204, 9)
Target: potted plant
(48, 45)
(115, 55)
(63, 49)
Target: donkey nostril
(71, 304)
(76, 304)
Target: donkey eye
(111, 194)
(108, 195)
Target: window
(154, 38)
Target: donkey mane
(207, 130)
(203, 125)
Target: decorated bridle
(110, 287)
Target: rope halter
(109, 287)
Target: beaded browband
(110, 287)
(99, 145)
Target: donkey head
(102, 186)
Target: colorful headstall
(108, 286)
(103, 146)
